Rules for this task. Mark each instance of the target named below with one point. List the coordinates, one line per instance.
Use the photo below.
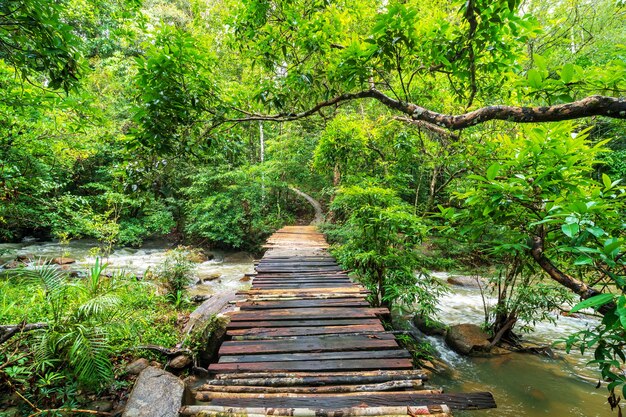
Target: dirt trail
(319, 215)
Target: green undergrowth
(91, 327)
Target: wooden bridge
(305, 342)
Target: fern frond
(89, 355)
(98, 306)
(49, 276)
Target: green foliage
(342, 148)
(176, 273)
(241, 209)
(146, 142)
(174, 81)
(83, 319)
(35, 39)
(528, 194)
(87, 323)
(381, 236)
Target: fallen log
(211, 395)
(456, 401)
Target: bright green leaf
(492, 171)
(567, 73)
(595, 301)
(570, 229)
(535, 80)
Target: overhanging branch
(590, 106)
(428, 126)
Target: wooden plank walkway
(305, 342)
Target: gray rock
(468, 339)
(137, 366)
(467, 281)
(180, 362)
(156, 394)
(199, 298)
(429, 327)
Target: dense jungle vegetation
(436, 134)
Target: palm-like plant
(83, 317)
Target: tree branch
(7, 332)
(428, 126)
(577, 286)
(591, 106)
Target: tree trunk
(432, 188)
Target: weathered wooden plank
(336, 302)
(298, 286)
(296, 269)
(300, 323)
(304, 331)
(189, 411)
(309, 313)
(284, 297)
(326, 365)
(318, 356)
(357, 378)
(309, 344)
(471, 401)
(401, 375)
(290, 280)
(350, 289)
(297, 262)
(212, 395)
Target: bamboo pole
(213, 410)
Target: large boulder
(156, 394)
(14, 264)
(468, 339)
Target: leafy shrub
(381, 236)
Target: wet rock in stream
(429, 327)
(467, 281)
(468, 339)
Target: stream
(523, 385)
(223, 272)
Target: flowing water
(223, 272)
(523, 385)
